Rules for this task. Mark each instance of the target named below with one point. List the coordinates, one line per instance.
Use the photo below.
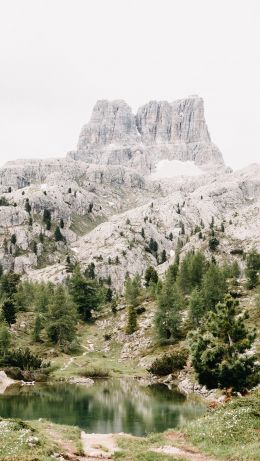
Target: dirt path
(99, 445)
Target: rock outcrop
(160, 130)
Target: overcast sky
(57, 57)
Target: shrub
(168, 363)
(95, 372)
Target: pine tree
(151, 276)
(47, 218)
(213, 242)
(61, 319)
(131, 326)
(61, 223)
(252, 268)
(86, 294)
(38, 326)
(133, 290)
(5, 339)
(219, 349)
(58, 235)
(214, 286)
(168, 314)
(163, 257)
(196, 307)
(8, 310)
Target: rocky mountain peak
(159, 130)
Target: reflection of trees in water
(108, 406)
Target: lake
(113, 405)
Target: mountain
(154, 175)
(159, 130)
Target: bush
(168, 363)
(95, 372)
(23, 359)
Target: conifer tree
(219, 349)
(61, 318)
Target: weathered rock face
(160, 130)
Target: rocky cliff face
(160, 130)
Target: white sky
(57, 57)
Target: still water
(107, 406)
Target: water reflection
(108, 406)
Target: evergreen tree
(8, 284)
(131, 326)
(252, 268)
(214, 286)
(142, 233)
(37, 328)
(163, 257)
(151, 276)
(90, 271)
(58, 235)
(133, 290)
(86, 294)
(109, 295)
(171, 236)
(219, 349)
(47, 218)
(13, 239)
(213, 242)
(196, 307)
(168, 314)
(61, 319)
(61, 223)
(5, 339)
(8, 310)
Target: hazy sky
(57, 57)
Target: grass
(81, 225)
(93, 372)
(230, 432)
(139, 449)
(50, 438)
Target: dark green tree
(86, 294)
(61, 319)
(58, 235)
(252, 269)
(213, 243)
(131, 326)
(8, 310)
(214, 286)
(47, 218)
(219, 349)
(151, 276)
(196, 308)
(168, 321)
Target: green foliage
(231, 431)
(252, 269)
(90, 271)
(133, 290)
(168, 315)
(8, 311)
(94, 372)
(61, 318)
(151, 276)
(213, 286)
(13, 239)
(37, 328)
(163, 257)
(218, 349)
(196, 307)
(191, 271)
(5, 339)
(4, 202)
(213, 243)
(153, 245)
(23, 359)
(58, 235)
(86, 294)
(47, 218)
(131, 325)
(169, 363)
(8, 284)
